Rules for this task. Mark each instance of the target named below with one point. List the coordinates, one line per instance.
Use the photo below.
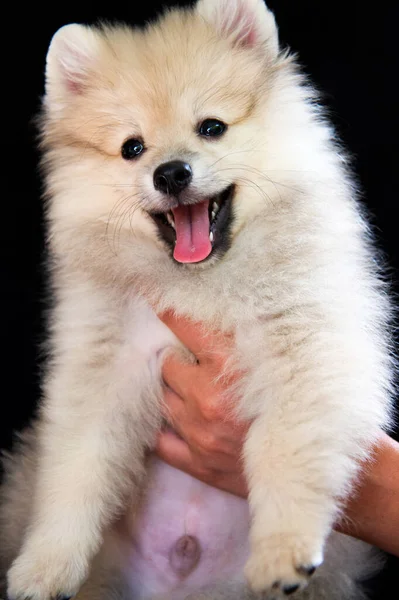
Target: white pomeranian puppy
(188, 168)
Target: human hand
(209, 441)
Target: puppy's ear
(246, 23)
(71, 62)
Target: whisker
(263, 176)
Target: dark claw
(276, 585)
(290, 589)
(307, 570)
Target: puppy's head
(159, 130)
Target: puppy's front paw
(45, 576)
(282, 564)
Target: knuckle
(208, 443)
(204, 472)
(211, 411)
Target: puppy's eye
(132, 148)
(212, 128)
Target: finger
(179, 376)
(175, 412)
(203, 443)
(178, 453)
(175, 451)
(200, 341)
(198, 387)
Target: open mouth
(195, 231)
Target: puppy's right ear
(246, 23)
(71, 62)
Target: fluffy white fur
(299, 288)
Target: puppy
(189, 168)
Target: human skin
(206, 441)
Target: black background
(349, 49)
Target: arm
(211, 443)
(372, 513)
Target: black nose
(172, 177)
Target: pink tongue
(192, 233)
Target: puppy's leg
(100, 413)
(316, 409)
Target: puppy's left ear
(246, 23)
(72, 63)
